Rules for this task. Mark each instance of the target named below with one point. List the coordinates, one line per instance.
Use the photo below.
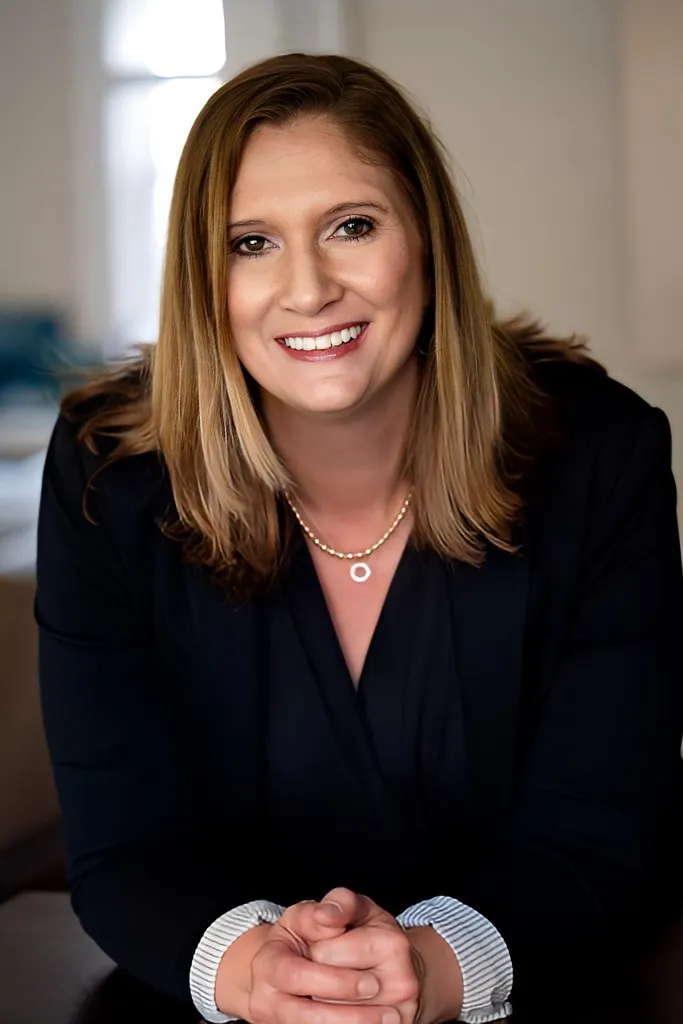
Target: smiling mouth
(323, 342)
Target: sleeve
(590, 867)
(217, 938)
(481, 952)
(144, 880)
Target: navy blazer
(570, 657)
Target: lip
(324, 330)
(326, 354)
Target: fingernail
(390, 1017)
(336, 908)
(368, 986)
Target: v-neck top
(158, 700)
(383, 763)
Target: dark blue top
(367, 785)
(514, 742)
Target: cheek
(247, 298)
(394, 280)
(246, 315)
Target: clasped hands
(343, 960)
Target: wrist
(233, 978)
(437, 967)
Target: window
(158, 62)
(162, 59)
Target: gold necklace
(359, 571)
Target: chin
(327, 404)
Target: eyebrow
(333, 211)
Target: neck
(351, 463)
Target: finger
(362, 948)
(295, 976)
(352, 906)
(294, 1010)
(304, 921)
(358, 909)
(331, 913)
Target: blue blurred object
(35, 355)
(30, 341)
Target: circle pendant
(360, 572)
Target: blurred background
(564, 121)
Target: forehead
(309, 160)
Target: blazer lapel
(489, 607)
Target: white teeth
(324, 341)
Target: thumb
(305, 921)
(340, 908)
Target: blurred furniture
(25, 430)
(664, 980)
(32, 351)
(119, 997)
(47, 962)
(38, 363)
(31, 346)
(28, 802)
(20, 482)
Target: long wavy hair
(479, 418)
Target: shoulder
(609, 459)
(599, 417)
(86, 480)
(581, 391)
(100, 520)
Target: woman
(358, 602)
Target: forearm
(561, 917)
(440, 975)
(148, 908)
(233, 980)
(472, 973)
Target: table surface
(118, 998)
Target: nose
(308, 282)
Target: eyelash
(234, 247)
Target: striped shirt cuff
(481, 952)
(216, 939)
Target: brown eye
(251, 246)
(356, 227)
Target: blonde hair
(478, 420)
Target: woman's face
(326, 284)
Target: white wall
(525, 94)
(37, 181)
